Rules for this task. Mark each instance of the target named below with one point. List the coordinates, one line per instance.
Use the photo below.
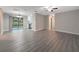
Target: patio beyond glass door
(17, 23)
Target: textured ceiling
(27, 10)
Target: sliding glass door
(17, 23)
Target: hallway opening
(52, 22)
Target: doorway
(52, 22)
(17, 23)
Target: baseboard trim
(67, 32)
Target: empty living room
(39, 28)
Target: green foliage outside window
(17, 22)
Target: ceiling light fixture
(51, 8)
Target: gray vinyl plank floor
(40, 41)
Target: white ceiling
(27, 10)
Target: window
(17, 23)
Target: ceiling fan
(50, 8)
(53, 9)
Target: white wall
(1, 21)
(46, 22)
(10, 23)
(33, 18)
(39, 22)
(25, 22)
(67, 22)
(6, 22)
